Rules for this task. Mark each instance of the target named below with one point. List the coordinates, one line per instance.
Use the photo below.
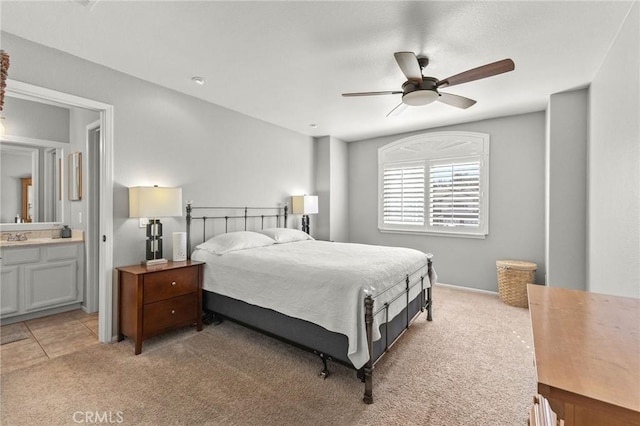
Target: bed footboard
(368, 367)
(369, 314)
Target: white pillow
(233, 241)
(286, 235)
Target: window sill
(434, 234)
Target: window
(404, 194)
(454, 193)
(435, 183)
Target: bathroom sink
(30, 241)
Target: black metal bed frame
(366, 372)
(246, 216)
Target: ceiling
(287, 62)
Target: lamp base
(154, 244)
(152, 262)
(305, 223)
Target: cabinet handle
(173, 311)
(173, 283)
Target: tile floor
(49, 337)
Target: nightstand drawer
(166, 314)
(166, 284)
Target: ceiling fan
(420, 90)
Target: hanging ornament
(4, 73)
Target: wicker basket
(513, 277)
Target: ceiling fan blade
(397, 110)
(484, 71)
(389, 92)
(408, 63)
(456, 100)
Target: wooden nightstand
(159, 298)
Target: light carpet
(473, 365)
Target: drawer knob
(173, 283)
(173, 311)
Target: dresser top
(587, 344)
(144, 269)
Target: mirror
(41, 130)
(27, 201)
(30, 177)
(75, 176)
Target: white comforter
(318, 281)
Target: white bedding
(318, 281)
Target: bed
(345, 302)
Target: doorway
(100, 231)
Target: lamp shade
(154, 201)
(304, 204)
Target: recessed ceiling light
(198, 80)
(313, 126)
(86, 2)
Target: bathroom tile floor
(49, 337)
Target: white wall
(218, 156)
(614, 167)
(566, 189)
(516, 228)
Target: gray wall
(321, 223)
(614, 167)
(339, 214)
(516, 215)
(566, 189)
(79, 119)
(35, 120)
(332, 185)
(162, 137)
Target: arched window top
(434, 145)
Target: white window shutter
(455, 194)
(403, 195)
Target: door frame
(91, 295)
(105, 285)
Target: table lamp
(154, 202)
(304, 205)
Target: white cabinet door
(50, 284)
(9, 296)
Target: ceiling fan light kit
(421, 94)
(419, 90)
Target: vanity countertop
(41, 238)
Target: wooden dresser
(587, 355)
(159, 298)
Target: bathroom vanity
(40, 276)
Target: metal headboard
(281, 212)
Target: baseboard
(43, 313)
(475, 290)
